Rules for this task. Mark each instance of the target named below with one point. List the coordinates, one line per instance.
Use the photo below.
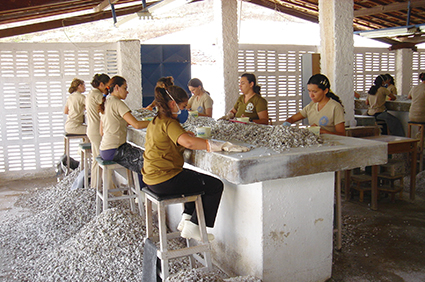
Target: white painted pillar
(130, 67)
(337, 50)
(403, 71)
(226, 22)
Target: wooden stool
(106, 169)
(359, 180)
(85, 151)
(384, 127)
(391, 189)
(421, 131)
(163, 253)
(67, 138)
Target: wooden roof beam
(388, 8)
(7, 32)
(283, 9)
(102, 6)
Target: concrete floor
(383, 245)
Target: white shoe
(185, 217)
(191, 231)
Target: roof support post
(337, 50)
(403, 71)
(226, 22)
(130, 67)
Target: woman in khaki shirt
(376, 98)
(114, 121)
(74, 108)
(93, 101)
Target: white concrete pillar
(337, 50)
(226, 22)
(403, 71)
(130, 67)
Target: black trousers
(189, 181)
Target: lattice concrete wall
(34, 79)
(418, 65)
(278, 71)
(34, 82)
(369, 63)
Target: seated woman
(163, 82)
(114, 121)
(390, 84)
(201, 100)
(325, 109)
(163, 170)
(93, 100)
(376, 98)
(250, 103)
(417, 94)
(75, 107)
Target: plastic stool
(163, 253)
(67, 138)
(106, 169)
(421, 131)
(85, 150)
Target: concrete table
(275, 219)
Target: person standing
(74, 108)
(201, 100)
(93, 101)
(417, 94)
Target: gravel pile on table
(63, 240)
(276, 137)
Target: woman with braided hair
(325, 109)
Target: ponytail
(116, 80)
(323, 83)
(99, 78)
(74, 85)
(251, 78)
(163, 96)
(422, 76)
(376, 84)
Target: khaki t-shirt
(329, 116)
(392, 89)
(250, 109)
(114, 125)
(377, 101)
(204, 102)
(76, 107)
(163, 157)
(417, 108)
(93, 100)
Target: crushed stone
(62, 239)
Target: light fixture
(392, 31)
(155, 9)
